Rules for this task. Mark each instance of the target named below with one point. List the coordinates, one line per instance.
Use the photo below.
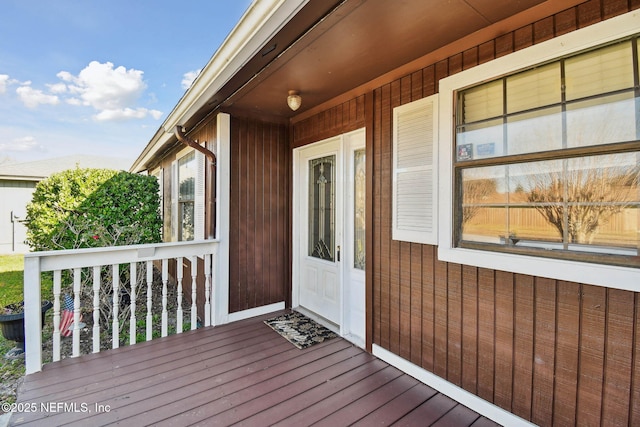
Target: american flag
(66, 319)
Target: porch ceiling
(355, 42)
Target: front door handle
(338, 253)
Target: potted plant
(12, 325)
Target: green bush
(83, 208)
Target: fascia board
(259, 24)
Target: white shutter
(199, 203)
(415, 171)
(175, 187)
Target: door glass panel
(359, 192)
(322, 208)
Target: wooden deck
(242, 373)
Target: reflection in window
(322, 207)
(359, 192)
(186, 196)
(548, 159)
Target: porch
(241, 372)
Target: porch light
(294, 100)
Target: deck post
(32, 315)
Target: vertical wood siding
(259, 214)
(553, 352)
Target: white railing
(94, 263)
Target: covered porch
(242, 372)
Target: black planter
(13, 324)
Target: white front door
(328, 234)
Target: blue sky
(99, 77)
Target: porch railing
(92, 265)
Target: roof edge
(262, 20)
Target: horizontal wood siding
(259, 214)
(552, 352)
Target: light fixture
(294, 100)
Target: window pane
(483, 204)
(602, 120)
(586, 204)
(187, 211)
(539, 130)
(359, 224)
(534, 88)
(321, 207)
(187, 177)
(600, 71)
(482, 102)
(480, 140)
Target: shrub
(83, 208)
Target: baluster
(165, 278)
(133, 322)
(207, 290)
(77, 276)
(194, 308)
(57, 285)
(96, 308)
(179, 314)
(115, 333)
(149, 300)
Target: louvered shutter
(415, 171)
(199, 203)
(175, 187)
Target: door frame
(345, 150)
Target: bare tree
(582, 199)
(475, 191)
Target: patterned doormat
(299, 330)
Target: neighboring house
(19, 180)
(458, 192)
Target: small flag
(66, 318)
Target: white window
(187, 198)
(415, 171)
(542, 166)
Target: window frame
(199, 195)
(562, 269)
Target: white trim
(345, 143)
(470, 400)
(582, 272)
(257, 311)
(220, 297)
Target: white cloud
(33, 97)
(4, 80)
(104, 87)
(27, 143)
(189, 78)
(111, 91)
(57, 88)
(127, 113)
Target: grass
(11, 270)
(11, 280)
(11, 291)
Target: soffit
(358, 41)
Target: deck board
(238, 373)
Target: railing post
(32, 315)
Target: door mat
(299, 330)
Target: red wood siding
(553, 352)
(259, 224)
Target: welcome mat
(299, 330)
